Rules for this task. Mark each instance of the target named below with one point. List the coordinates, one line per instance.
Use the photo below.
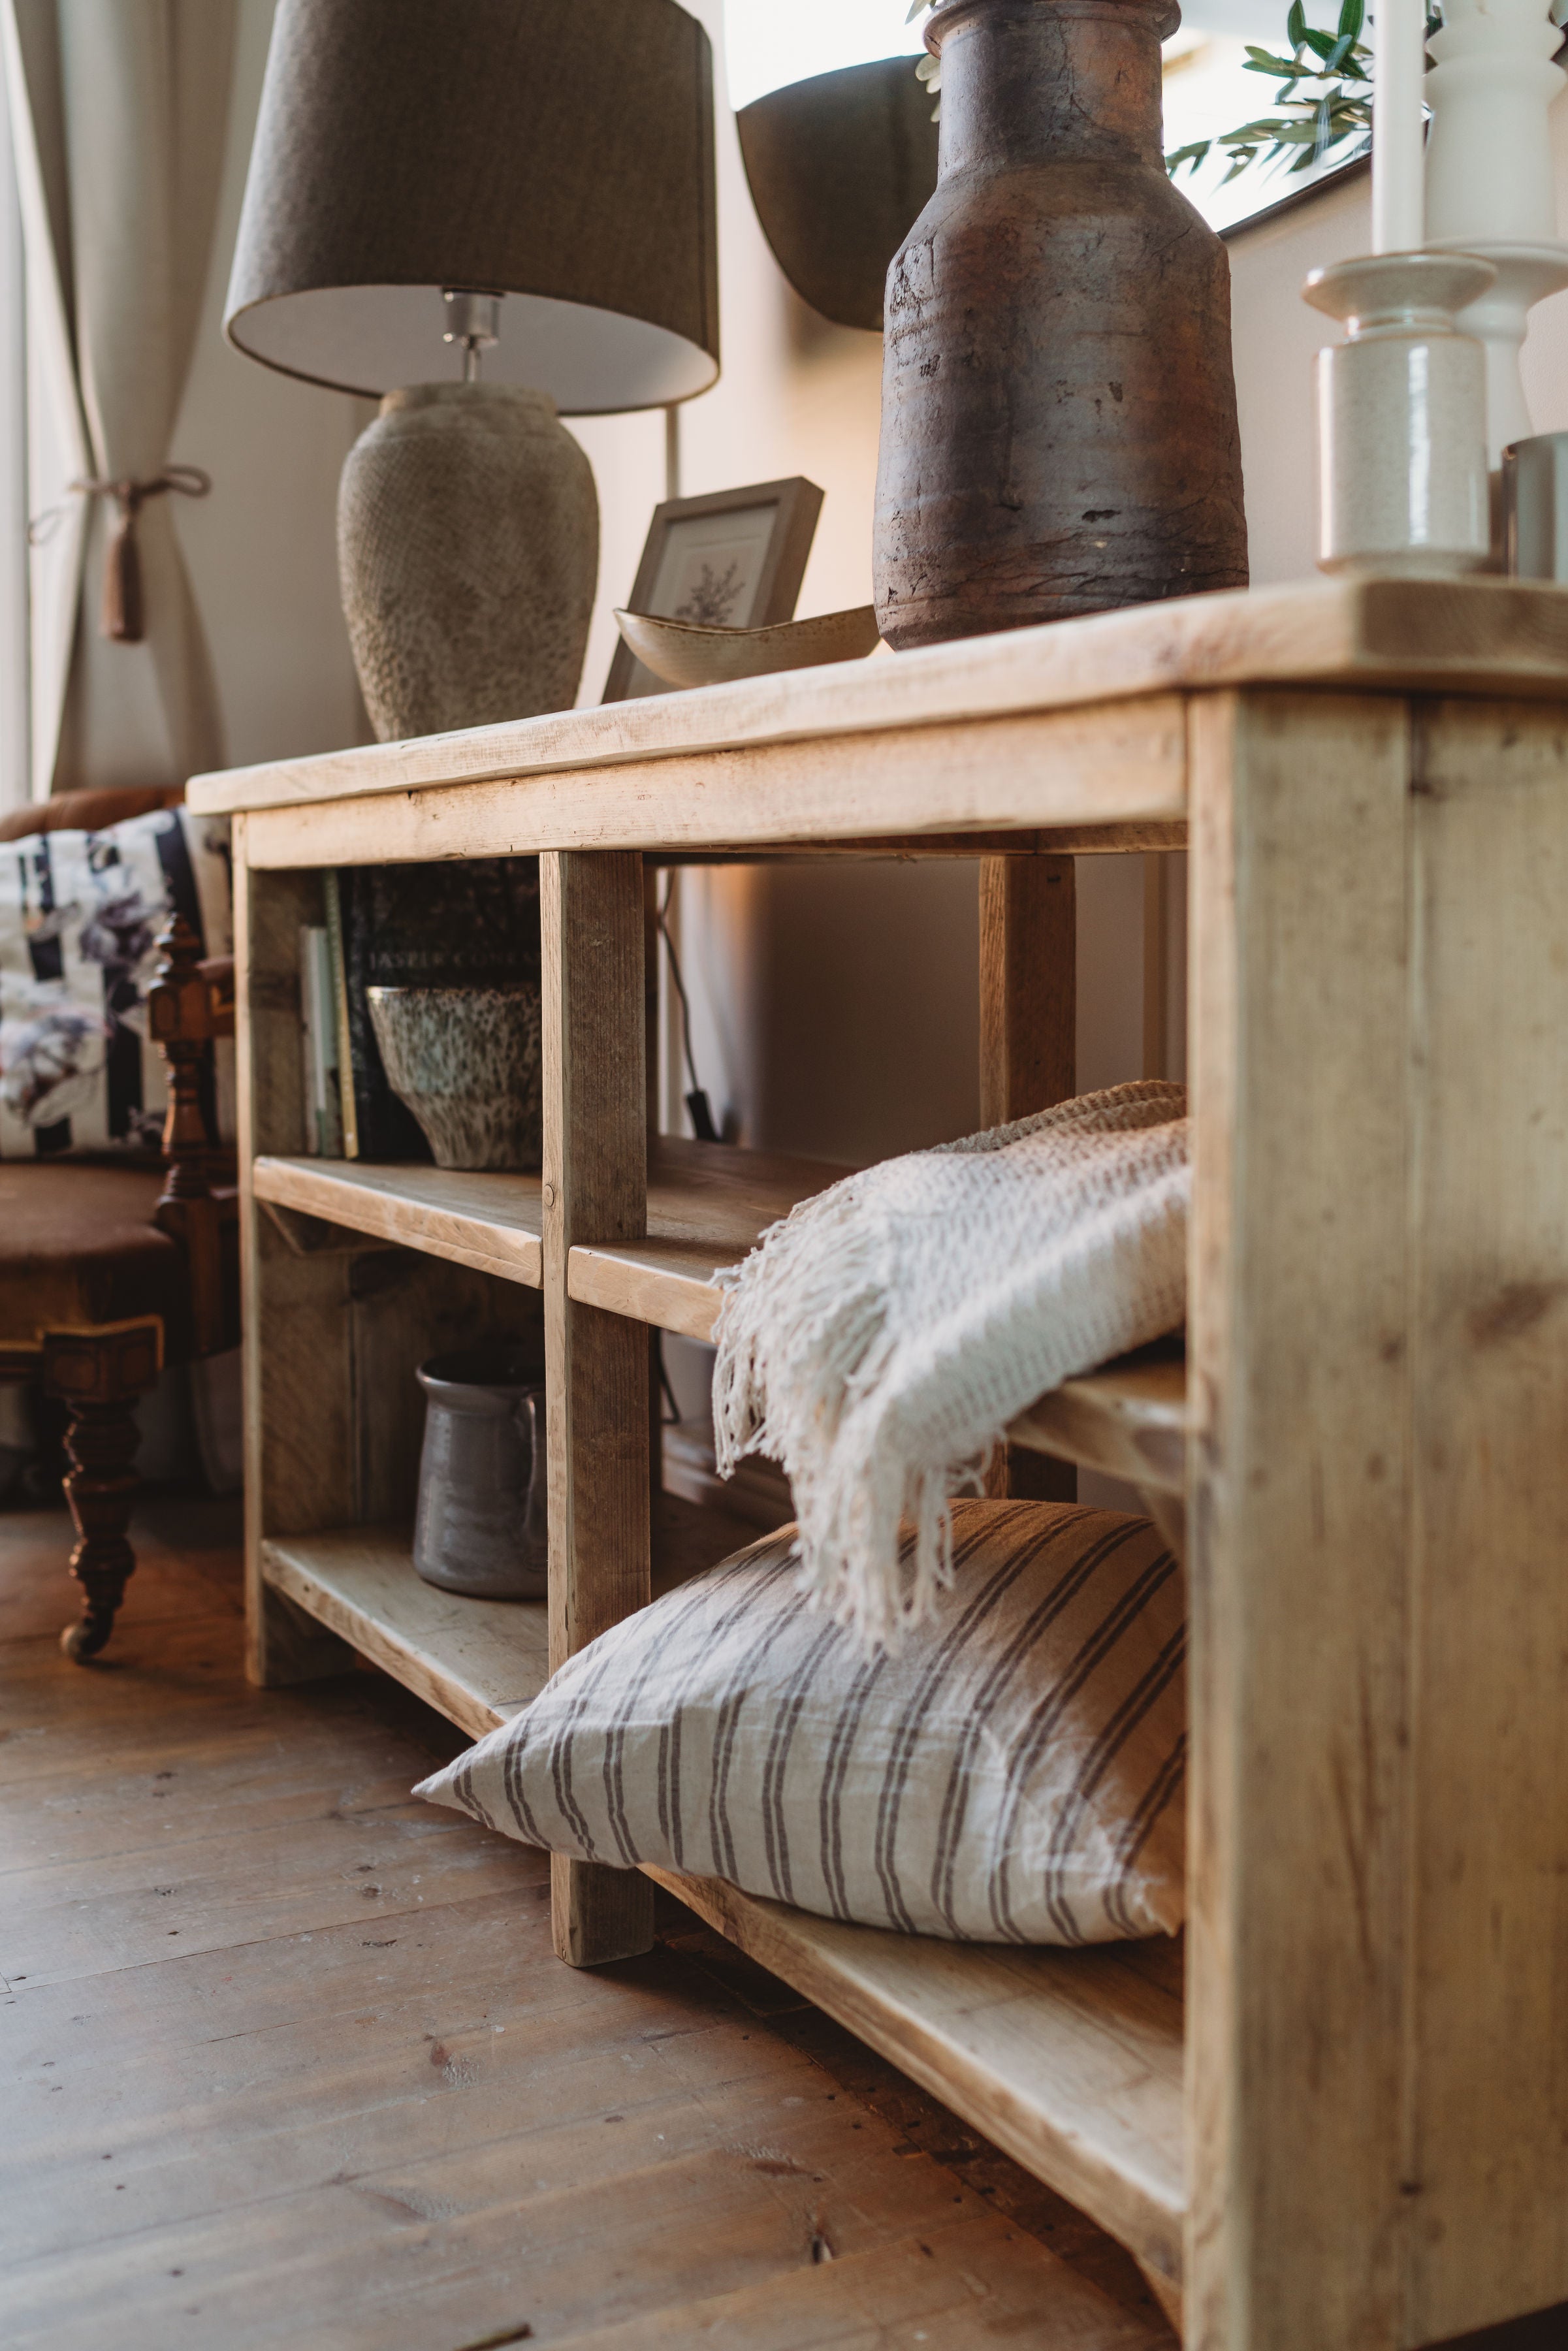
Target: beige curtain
(118, 111)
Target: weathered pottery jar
(1059, 411)
(480, 1525)
(467, 550)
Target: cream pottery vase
(1401, 406)
(468, 550)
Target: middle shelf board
(708, 1205)
(491, 1221)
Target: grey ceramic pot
(480, 1527)
(467, 1063)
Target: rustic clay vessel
(1059, 411)
(466, 1061)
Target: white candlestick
(1491, 184)
(1398, 70)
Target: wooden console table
(1351, 2133)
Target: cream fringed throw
(880, 1340)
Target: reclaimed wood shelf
(1129, 1420)
(708, 1205)
(475, 1661)
(491, 1222)
(1370, 778)
(1071, 2061)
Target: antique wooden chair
(111, 1271)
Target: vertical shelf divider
(595, 1189)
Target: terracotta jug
(1059, 411)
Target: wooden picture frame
(770, 560)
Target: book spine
(309, 1061)
(347, 1090)
(310, 1039)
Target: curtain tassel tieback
(122, 614)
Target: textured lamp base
(468, 550)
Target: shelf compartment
(491, 1221)
(475, 1661)
(1070, 2061)
(708, 1205)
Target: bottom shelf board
(475, 1661)
(1070, 2061)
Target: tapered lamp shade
(559, 153)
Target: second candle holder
(1401, 408)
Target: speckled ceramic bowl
(467, 1063)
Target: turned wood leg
(100, 1375)
(100, 1487)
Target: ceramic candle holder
(467, 1063)
(1402, 447)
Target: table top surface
(1476, 636)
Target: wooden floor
(289, 2059)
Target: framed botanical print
(733, 559)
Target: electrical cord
(698, 1107)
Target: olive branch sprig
(1318, 119)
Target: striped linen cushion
(1011, 1772)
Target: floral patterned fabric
(80, 918)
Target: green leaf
(1296, 25)
(1320, 44)
(1351, 17)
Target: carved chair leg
(100, 1374)
(100, 1487)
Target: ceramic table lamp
(486, 213)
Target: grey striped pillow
(1012, 1773)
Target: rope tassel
(121, 616)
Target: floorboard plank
(290, 2060)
